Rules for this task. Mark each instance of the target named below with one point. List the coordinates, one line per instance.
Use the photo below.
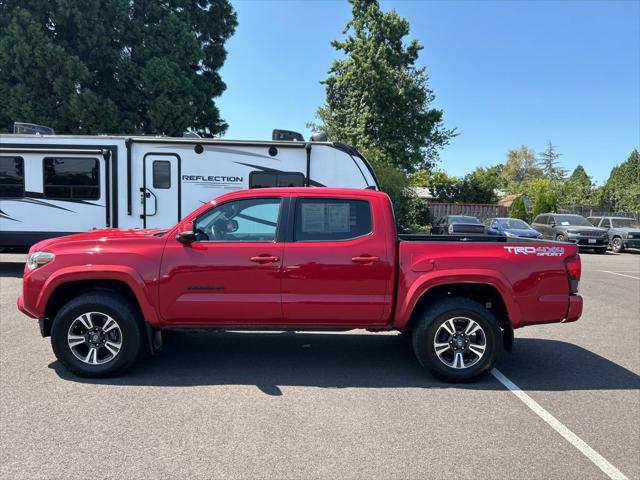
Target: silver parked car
(623, 232)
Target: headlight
(540, 235)
(450, 228)
(627, 235)
(509, 234)
(37, 259)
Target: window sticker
(337, 217)
(313, 217)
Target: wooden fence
(481, 210)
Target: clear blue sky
(505, 74)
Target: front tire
(97, 334)
(616, 245)
(457, 339)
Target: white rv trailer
(52, 185)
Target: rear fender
(427, 281)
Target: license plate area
(593, 240)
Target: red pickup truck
(298, 259)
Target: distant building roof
(423, 192)
(508, 200)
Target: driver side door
(231, 274)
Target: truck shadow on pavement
(272, 360)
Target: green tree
(376, 96)
(442, 186)
(520, 168)
(114, 66)
(578, 188)
(622, 189)
(480, 186)
(518, 209)
(379, 101)
(548, 162)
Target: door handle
(365, 259)
(265, 259)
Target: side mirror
(186, 238)
(553, 224)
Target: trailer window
(11, 177)
(275, 179)
(320, 219)
(71, 178)
(161, 174)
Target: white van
(52, 185)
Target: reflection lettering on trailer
(537, 251)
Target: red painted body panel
(312, 285)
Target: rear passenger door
(336, 268)
(540, 224)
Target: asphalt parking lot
(356, 405)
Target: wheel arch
(485, 294)
(64, 285)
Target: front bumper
(631, 243)
(589, 242)
(22, 308)
(575, 308)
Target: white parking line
(620, 274)
(602, 463)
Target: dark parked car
(511, 227)
(452, 224)
(572, 228)
(623, 232)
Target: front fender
(414, 288)
(127, 275)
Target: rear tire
(442, 345)
(616, 245)
(561, 238)
(112, 331)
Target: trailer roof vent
(319, 137)
(31, 129)
(286, 136)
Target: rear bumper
(575, 308)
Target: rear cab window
(331, 219)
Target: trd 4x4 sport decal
(537, 251)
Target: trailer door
(160, 195)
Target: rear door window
(11, 177)
(328, 219)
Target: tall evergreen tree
(548, 161)
(377, 99)
(114, 66)
(578, 188)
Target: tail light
(574, 269)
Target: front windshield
(572, 220)
(514, 223)
(625, 223)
